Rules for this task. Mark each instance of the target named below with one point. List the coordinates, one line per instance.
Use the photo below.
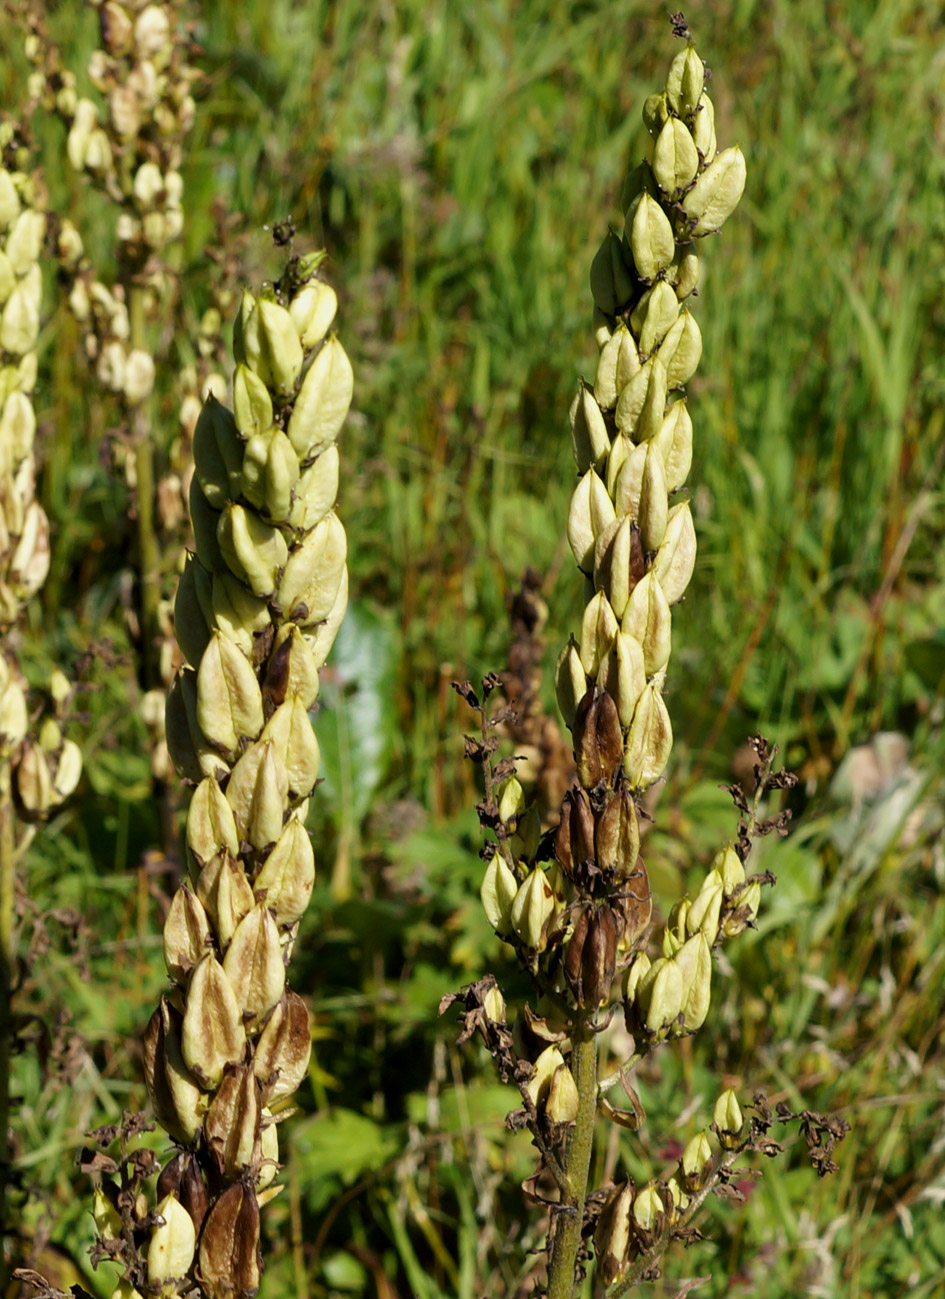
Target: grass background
(460, 163)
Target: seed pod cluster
(45, 765)
(257, 610)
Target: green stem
(7, 959)
(567, 1236)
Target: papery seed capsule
(675, 933)
(68, 770)
(623, 675)
(611, 279)
(706, 908)
(694, 960)
(212, 1033)
(598, 741)
(237, 613)
(562, 1103)
(178, 1100)
(279, 361)
(182, 1177)
(226, 895)
(313, 571)
(653, 508)
(17, 428)
(270, 473)
(232, 1126)
(641, 405)
(618, 363)
(493, 1003)
(187, 935)
(599, 626)
(229, 700)
(703, 129)
(659, 996)
(621, 448)
(674, 440)
(654, 316)
(731, 870)
(210, 823)
(313, 310)
(685, 81)
(322, 404)
(650, 738)
(544, 1069)
(34, 784)
(655, 113)
(291, 672)
(617, 835)
(570, 682)
(686, 277)
(171, 1248)
(229, 1245)
(321, 639)
(681, 350)
(649, 1215)
(650, 237)
(252, 403)
(106, 1217)
(14, 717)
(728, 1119)
(590, 511)
(253, 551)
(636, 971)
(317, 490)
(218, 454)
(675, 157)
(499, 887)
(511, 801)
(588, 430)
(612, 1234)
(290, 731)
(258, 792)
(287, 877)
(284, 1048)
(269, 1152)
(532, 906)
(29, 563)
(696, 1163)
(612, 563)
(24, 243)
(649, 621)
(714, 196)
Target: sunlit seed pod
(14, 716)
(34, 782)
(650, 236)
(187, 937)
(619, 361)
(649, 739)
(229, 700)
(621, 447)
(659, 996)
(193, 610)
(254, 551)
(270, 473)
(269, 1151)
(590, 512)
(617, 835)
(281, 352)
(321, 638)
(602, 328)
(511, 801)
(612, 553)
(686, 277)
(696, 1163)
(283, 1048)
(674, 440)
(285, 882)
(680, 1200)
(493, 1003)
(731, 870)
(642, 403)
(312, 573)
(544, 1070)
(694, 960)
(728, 1119)
(290, 731)
(7, 278)
(229, 1259)
(212, 1033)
(313, 311)
(649, 1215)
(562, 1103)
(252, 403)
(171, 1248)
(531, 908)
(238, 614)
(316, 491)
(703, 129)
(654, 316)
(497, 894)
(589, 434)
(704, 914)
(178, 1101)
(218, 454)
(105, 1215)
(655, 113)
(681, 350)
(323, 401)
(675, 157)
(19, 322)
(612, 284)
(715, 194)
(623, 675)
(258, 793)
(675, 933)
(291, 671)
(152, 35)
(612, 1234)
(29, 563)
(570, 681)
(685, 82)
(653, 509)
(232, 1125)
(9, 200)
(599, 626)
(226, 895)
(210, 823)
(649, 621)
(598, 739)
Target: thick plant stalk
(257, 611)
(575, 902)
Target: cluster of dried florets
(257, 611)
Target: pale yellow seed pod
(685, 82)
(636, 971)
(212, 1034)
(649, 621)
(589, 434)
(238, 614)
(229, 701)
(270, 473)
(290, 731)
(707, 907)
(252, 402)
(254, 964)
(728, 1118)
(618, 363)
(623, 675)
(650, 237)
(24, 243)
(620, 449)
(258, 794)
(254, 551)
(649, 1211)
(317, 490)
(686, 279)
(171, 1248)
(703, 129)
(570, 682)
(696, 1162)
(531, 908)
(675, 157)
(674, 440)
(280, 357)
(210, 823)
(655, 316)
(323, 637)
(563, 1101)
(612, 551)
(591, 510)
(312, 574)
(313, 312)
(650, 738)
(715, 195)
(694, 960)
(139, 376)
(19, 324)
(226, 895)
(187, 937)
(681, 350)
(642, 404)
(287, 877)
(659, 995)
(599, 627)
(498, 891)
(544, 1070)
(323, 401)
(654, 507)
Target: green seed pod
(9, 200)
(232, 1127)
(226, 895)
(258, 793)
(17, 430)
(619, 361)
(187, 935)
(602, 328)
(171, 1249)
(280, 362)
(714, 196)
(205, 520)
(696, 1163)
(290, 731)
(212, 1034)
(270, 473)
(703, 129)
(218, 454)
(322, 638)
(599, 627)
(681, 350)
(612, 283)
(254, 965)
(588, 430)
(686, 274)
(511, 802)
(563, 1102)
(323, 401)
(252, 404)
(210, 824)
(497, 894)
(620, 449)
(685, 82)
(68, 770)
(650, 738)
(612, 1235)
(193, 610)
(229, 1245)
(532, 906)
(649, 1215)
(238, 614)
(655, 113)
(612, 557)
(229, 700)
(254, 552)
(694, 960)
(649, 621)
(287, 877)
(590, 512)
(706, 908)
(284, 1048)
(570, 682)
(675, 157)
(641, 405)
(650, 237)
(636, 971)
(659, 996)
(544, 1070)
(654, 315)
(654, 508)
(312, 574)
(313, 311)
(674, 440)
(291, 672)
(34, 782)
(317, 491)
(728, 1119)
(623, 675)
(639, 180)
(731, 870)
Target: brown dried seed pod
(229, 1262)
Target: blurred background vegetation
(460, 162)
